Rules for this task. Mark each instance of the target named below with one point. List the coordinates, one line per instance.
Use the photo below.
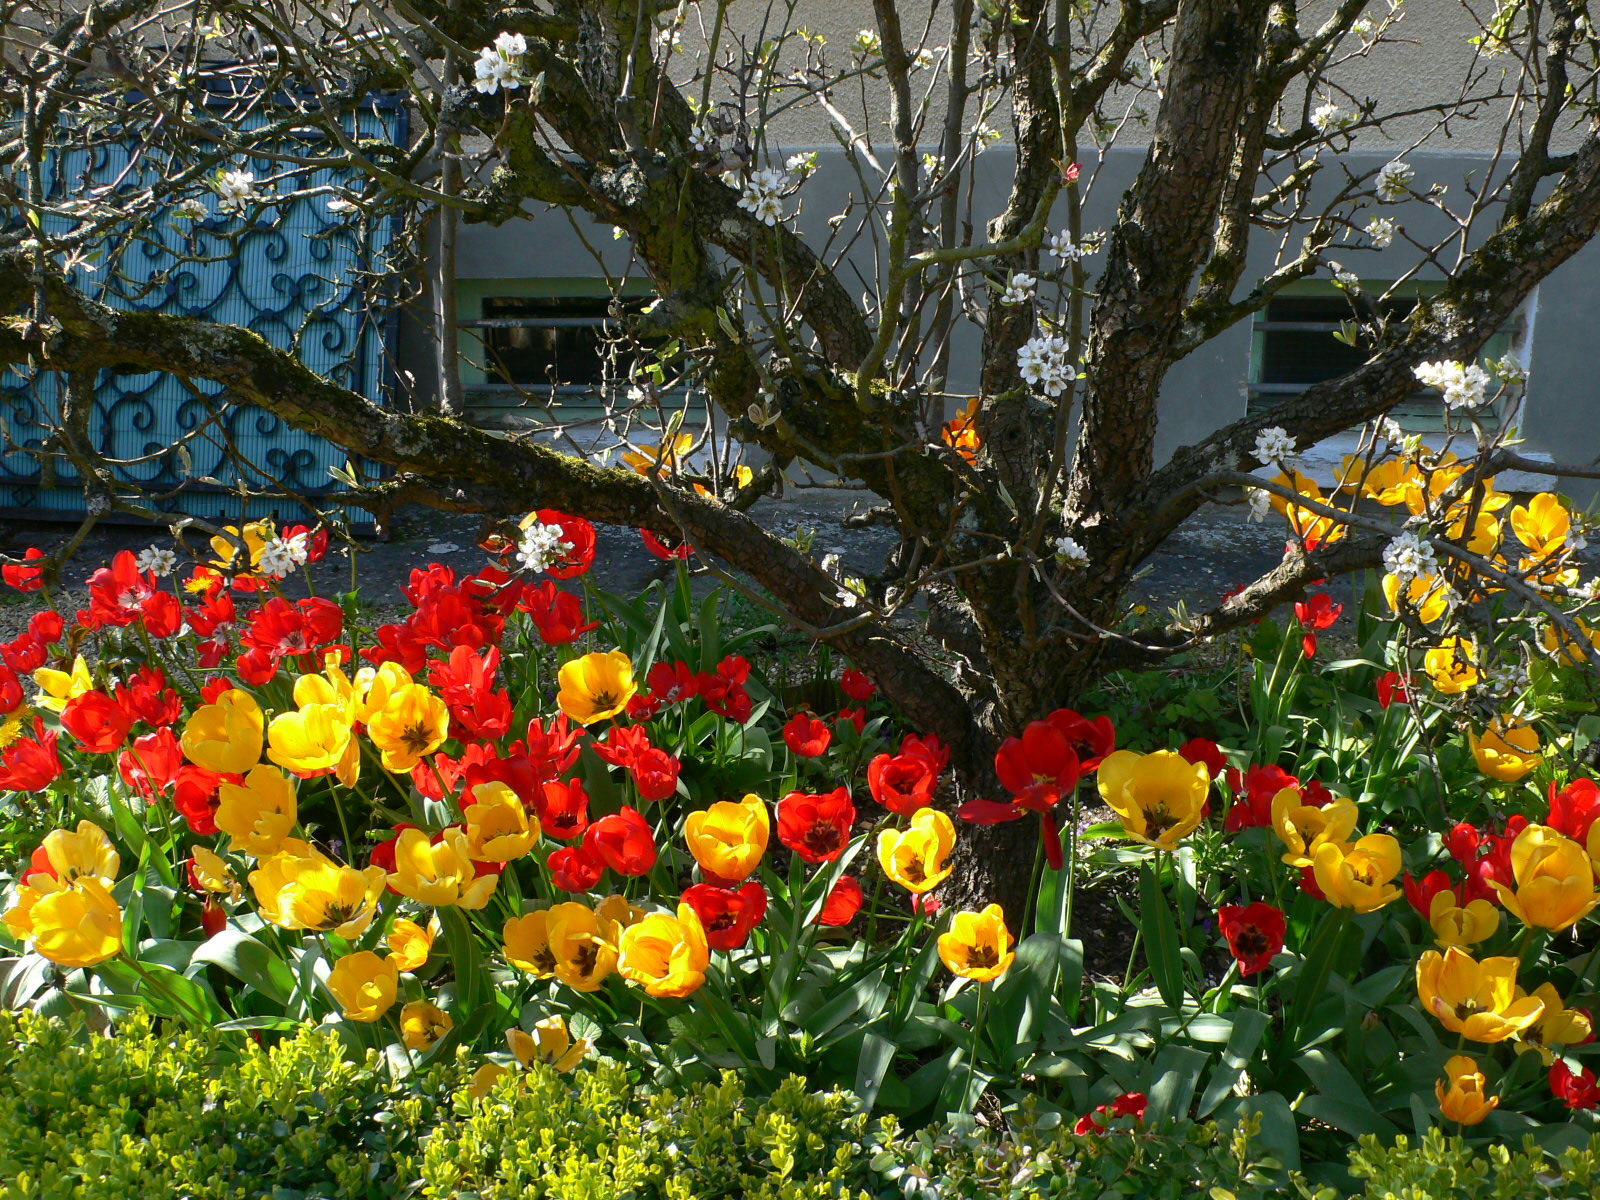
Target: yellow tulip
(310, 740)
(484, 1079)
(1361, 876)
(1478, 1000)
(410, 944)
(1302, 828)
(255, 537)
(1555, 880)
(1452, 665)
(373, 686)
(412, 725)
(73, 925)
(918, 858)
(86, 851)
(1160, 797)
(527, 944)
(439, 874)
(1465, 1102)
(1542, 525)
(259, 813)
(1559, 1026)
(978, 944)
(596, 686)
(1565, 647)
(621, 910)
(499, 828)
(643, 459)
(214, 874)
(312, 892)
(364, 985)
(61, 686)
(1506, 751)
(227, 735)
(583, 945)
(422, 1023)
(668, 955)
(1426, 595)
(1454, 925)
(729, 839)
(550, 1043)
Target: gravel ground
(1213, 552)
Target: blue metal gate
(300, 274)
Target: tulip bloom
(1254, 932)
(906, 782)
(816, 827)
(623, 841)
(550, 1043)
(56, 688)
(1358, 877)
(1559, 1026)
(1452, 665)
(574, 869)
(668, 955)
(97, 721)
(1554, 880)
(1129, 1104)
(412, 725)
(1461, 924)
(582, 944)
(918, 858)
(729, 839)
(76, 925)
(1576, 1091)
(1574, 809)
(1506, 751)
(978, 945)
(1465, 1102)
(422, 1023)
(1305, 828)
(563, 809)
(1159, 796)
(151, 765)
(596, 686)
(843, 902)
(1393, 686)
(259, 813)
(498, 826)
(226, 735)
(1476, 999)
(410, 944)
(727, 914)
(311, 740)
(310, 891)
(526, 941)
(71, 855)
(440, 873)
(364, 985)
(807, 736)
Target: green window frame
(1293, 347)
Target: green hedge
(154, 1115)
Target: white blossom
(1462, 386)
(1275, 445)
(1070, 553)
(1509, 370)
(670, 37)
(1394, 181)
(867, 43)
(192, 209)
(701, 139)
(1576, 541)
(500, 66)
(1510, 679)
(1062, 246)
(1382, 230)
(338, 204)
(932, 164)
(542, 546)
(157, 559)
(1389, 430)
(985, 136)
(925, 58)
(762, 194)
(1346, 280)
(801, 166)
(235, 189)
(1363, 28)
(1409, 557)
(1260, 501)
(1328, 118)
(1019, 290)
(1043, 363)
(281, 556)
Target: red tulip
(1575, 1091)
(1393, 686)
(563, 809)
(195, 797)
(1574, 809)
(816, 827)
(661, 549)
(22, 576)
(97, 721)
(1092, 739)
(906, 782)
(623, 841)
(574, 869)
(1204, 750)
(655, 774)
(856, 685)
(807, 736)
(1254, 932)
(31, 764)
(151, 764)
(727, 914)
(843, 902)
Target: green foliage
(1446, 1168)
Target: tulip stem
(977, 1038)
(160, 985)
(1030, 906)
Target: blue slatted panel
(299, 275)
